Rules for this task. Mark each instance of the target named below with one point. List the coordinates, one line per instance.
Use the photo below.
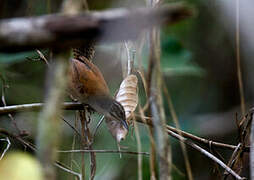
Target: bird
(87, 85)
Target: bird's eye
(112, 123)
(121, 113)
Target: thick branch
(19, 34)
(37, 107)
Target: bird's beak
(124, 123)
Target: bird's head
(118, 113)
(109, 107)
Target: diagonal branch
(206, 153)
(202, 151)
(7, 147)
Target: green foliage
(175, 59)
(16, 57)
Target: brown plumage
(86, 80)
(87, 84)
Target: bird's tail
(85, 50)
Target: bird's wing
(86, 80)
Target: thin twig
(83, 142)
(232, 159)
(87, 142)
(37, 107)
(130, 66)
(252, 150)
(73, 141)
(90, 147)
(206, 153)
(238, 60)
(151, 130)
(69, 171)
(142, 76)
(42, 57)
(203, 151)
(98, 125)
(7, 146)
(163, 147)
(140, 174)
(152, 144)
(14, 123)
(175, 119)
(201, 140)
(104, 151)
(130, 59)
(72, 127)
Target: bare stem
(252, 150)
(69, 171)
(201, 140)
(104, 151)
(130, 66)
(206, 153)
(152, 145)
(156, 107)
(48, 126)
(175, 119)
(4, 86)
(139, 150)
(201, 150)
(238, 60)
(37, 107)
(7, 146)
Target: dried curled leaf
(128, 95)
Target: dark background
(199, 66)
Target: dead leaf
(128, 95)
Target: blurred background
(198, 61)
